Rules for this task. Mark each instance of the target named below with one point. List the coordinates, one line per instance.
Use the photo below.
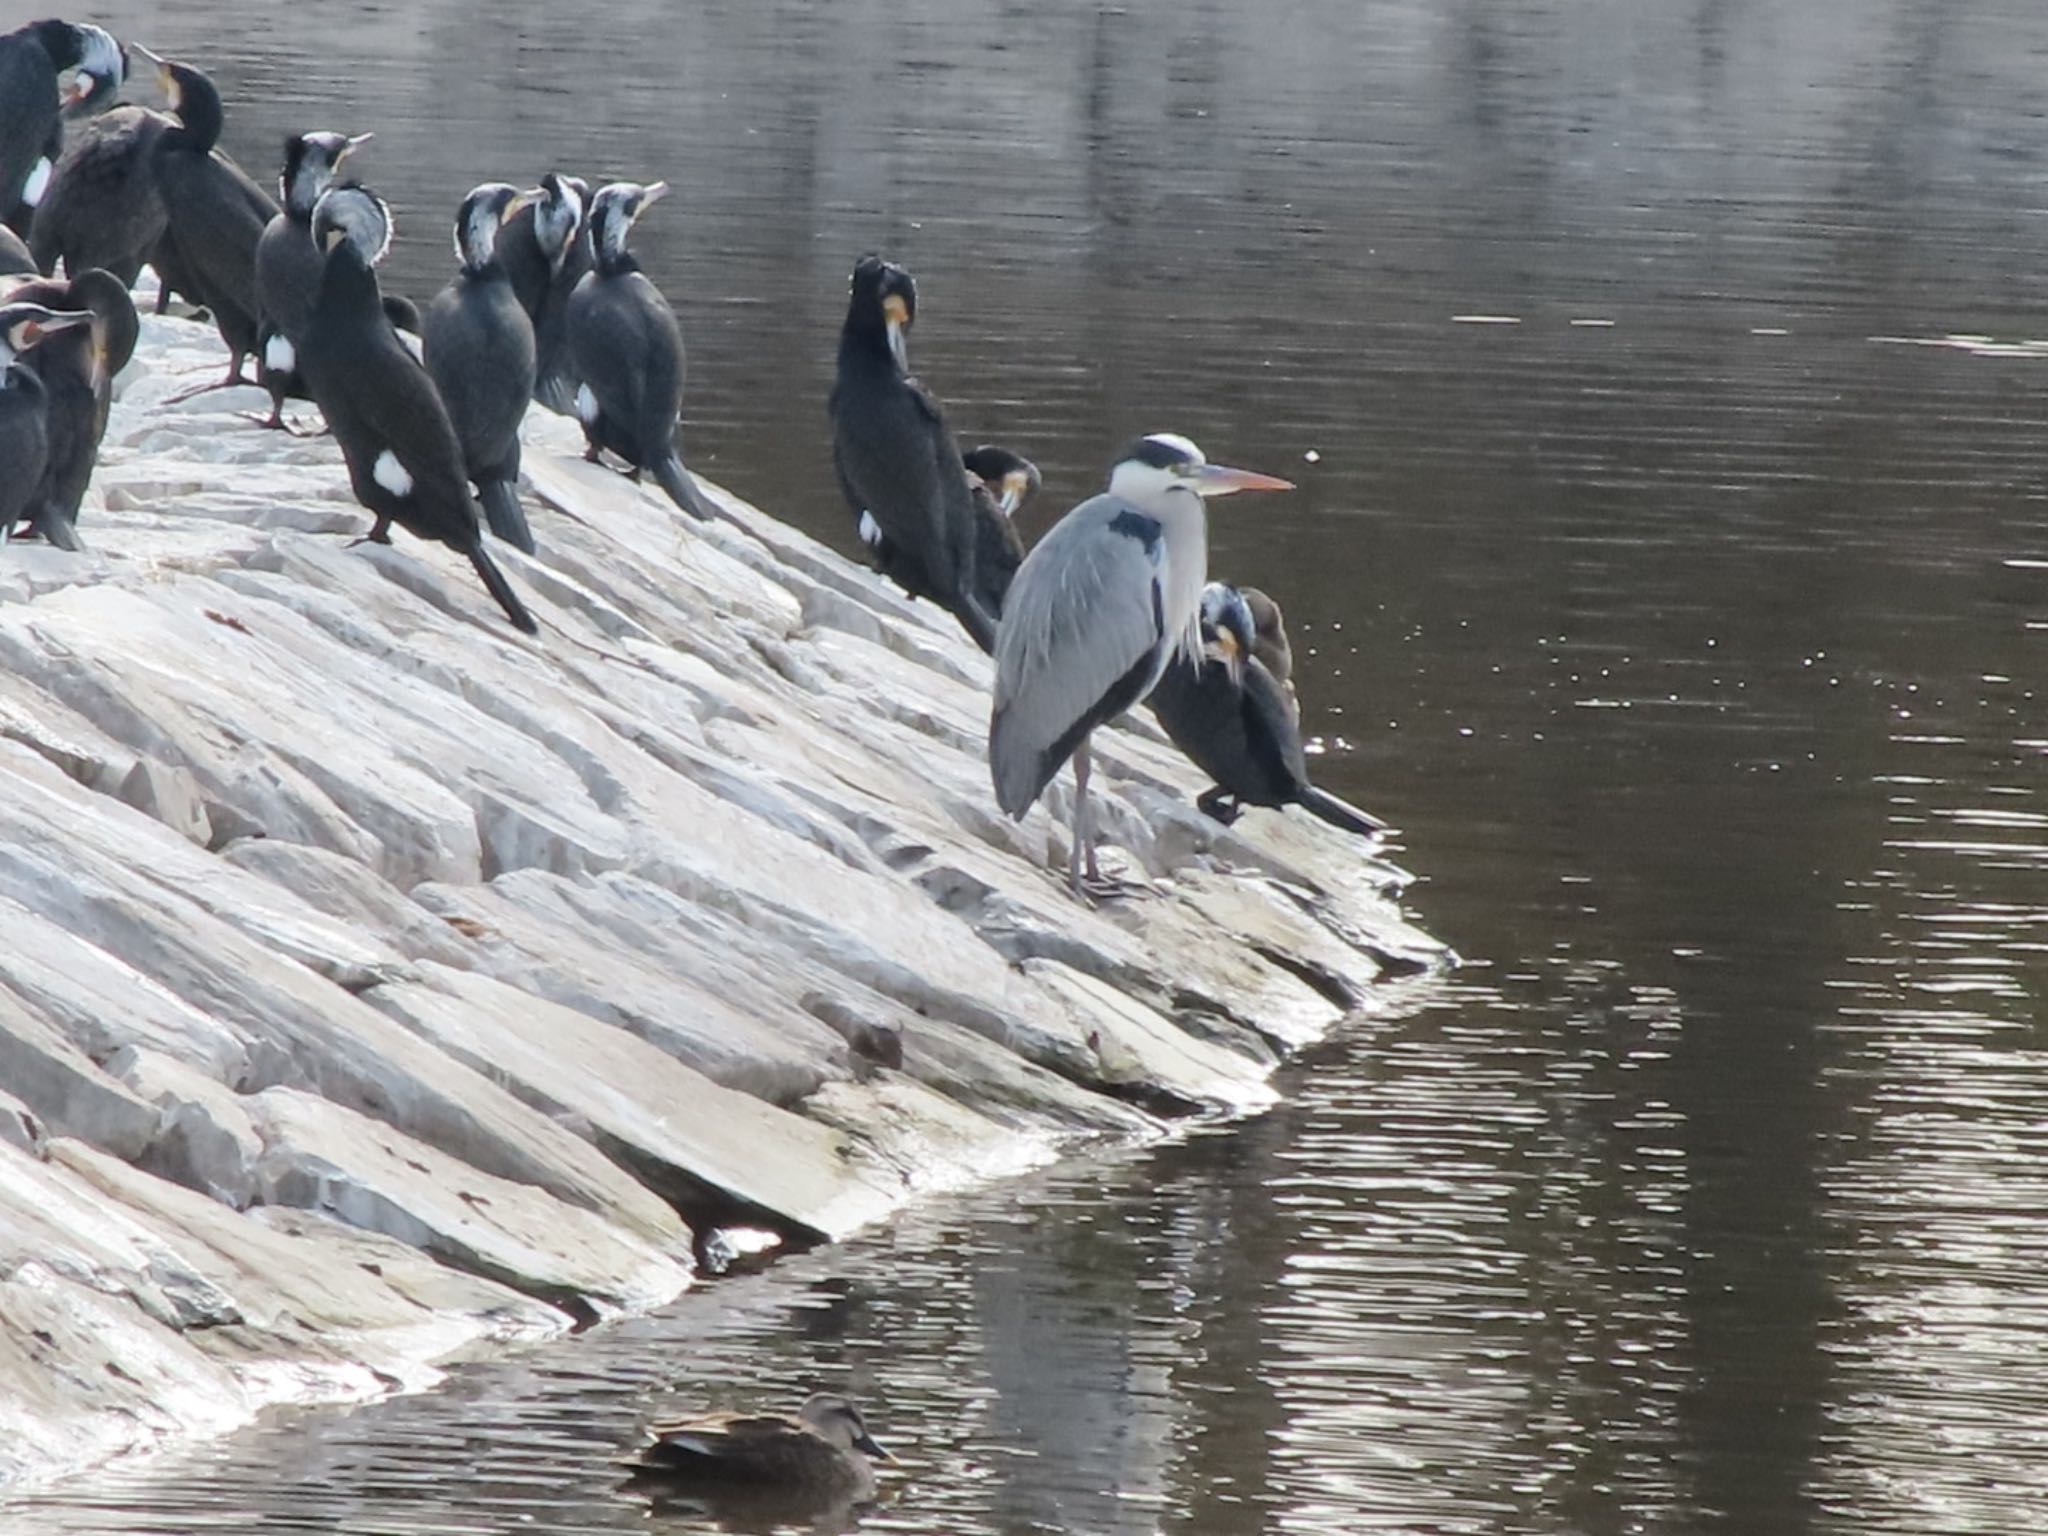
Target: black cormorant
(404, 462)
(1238, 722)
(24, 430)
(288, 266)
(32, 107)
(102, 208)
(77, 368)
(479, 349)
(216, 215)
(897, 462)
(545, 249)
(999, 484)
(627, 351)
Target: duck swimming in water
(825, 1450)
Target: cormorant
(32, 108)
(24, 431)
(102, 208)
(479, 349)
(1097, 610)
(1238, 723)
(404, 462)
(216, 215)
(999, 483)
(288, 266)
(545, 248)
(77, 368)
(897, 462)
(627, 351)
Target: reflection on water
(1691, 627)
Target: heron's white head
(1157, 465)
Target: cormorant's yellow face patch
(894, 310)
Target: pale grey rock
(717, 1154)
(65, 1089)
(322, 1157)
(353, 894)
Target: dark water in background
(1689, 629)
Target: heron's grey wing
(1081, 641)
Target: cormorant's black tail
(1338, 813)
(681, 488)
(55, 524)
(506, 517)
(501, 589)
(556, 391)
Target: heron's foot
(1219, 804)
(374, 536)
(1097, 889)
(274, 422)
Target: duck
(824, 1450)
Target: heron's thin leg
(1076, 854)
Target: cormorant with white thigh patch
(898, 464)
(479, 349)
(288, 265)
(627, 351)
(404, 462)
(32, 105)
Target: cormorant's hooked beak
(524, 199)
(355, 142)
(1016, 486)
(1222, 480)
(166, 81)
(867, 1446)
(651, 194)
(28, 332)
(896, 315)
(1228, 651)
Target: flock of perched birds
(1112, 608)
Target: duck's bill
(868, 1446)
(1222, 480)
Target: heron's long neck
(1185, 527)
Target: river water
(1670, 564)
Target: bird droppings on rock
(383, 982)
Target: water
(1691, 631)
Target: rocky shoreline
(382, 983)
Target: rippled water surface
(1672, 565)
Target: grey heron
(1238, 722)
(898, 465)
(1097, 610)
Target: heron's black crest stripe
(1136, 525)
(1159, 455)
